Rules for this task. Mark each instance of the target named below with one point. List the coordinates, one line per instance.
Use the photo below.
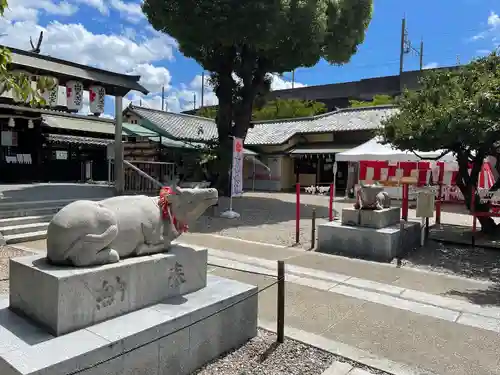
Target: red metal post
(297, 213)
(330, 203)
(404, 207)
(440, 193)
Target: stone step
(23, 220)
(19, 205)
(30, 211)
(25, 237)
(24, 228)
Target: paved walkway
(425, 321)
(432, 322)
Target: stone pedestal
(158, 315)
(66, 299)
(176, 336)
(371, 218)
(378, 244)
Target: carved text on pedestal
(106, 295)
(177, 276)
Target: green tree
(455, 111)
(19, 83)
(208, 112)
(276, 109)
(377, 100)
(288, 108)
(242, 41)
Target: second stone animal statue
(87, 233)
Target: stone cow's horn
(176, 189)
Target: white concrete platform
(175, 336)
(66, 299)
(378, 244)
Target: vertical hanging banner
(237, 169)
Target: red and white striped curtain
(425, 172)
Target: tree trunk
(224, 121)
(466, 182)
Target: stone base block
(379, 244)
(65, 299)
(176, 336)
(371, 218)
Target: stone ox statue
(372, 197)
(86, 233)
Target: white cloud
(432, 65)
(97, 4)
(493, 29)
(28, 10)
(54, 7)
(131, 11)
(152, 77)
(279, 83)
(74, 42)
(20, 13)
(494, 20)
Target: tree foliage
(276, 109)
(455, 111)
(20, 84)
(242, 41)
(208, 112)
(377, 100)
(288, 108)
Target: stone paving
(439, 341)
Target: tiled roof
(349, 119)
(275, 132)
(179, 126)
(63, 138)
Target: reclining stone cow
(372, 197)
(86, 233)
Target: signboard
(61, 155)
(9, 138)
(237, 169)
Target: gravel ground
(465, 261)
(261, 356)
(6, 253)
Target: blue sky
(114, 35)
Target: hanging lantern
(74, 96)
(30, 124)
(96, 96)
(51, 96)
(12, 123)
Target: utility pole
(202, 88)
(293, 78)
(163, 98)
(421, 54)
(194, 101)
(402, 47)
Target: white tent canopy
(373, 150)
